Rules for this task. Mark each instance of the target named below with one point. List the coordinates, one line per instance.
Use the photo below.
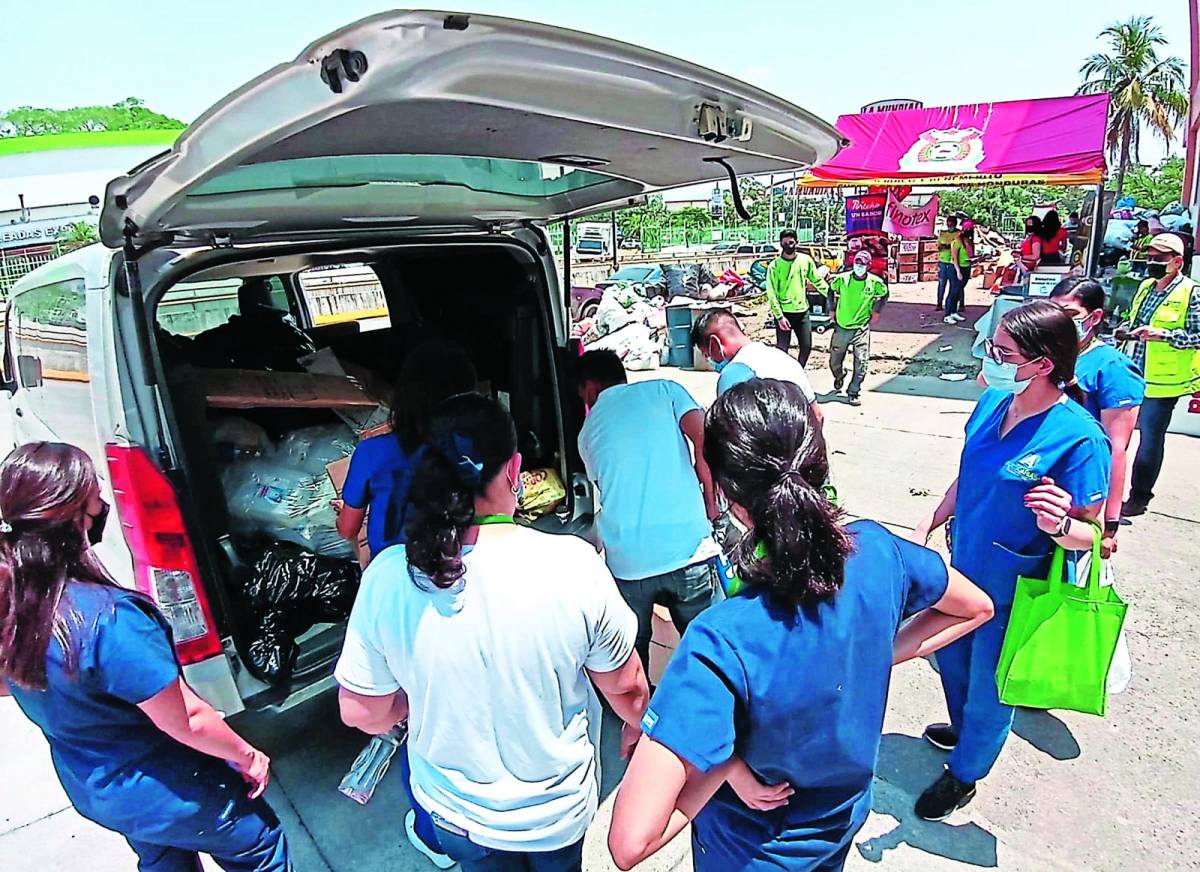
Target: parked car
(644, 274)
(727, 247)
(447, 209)
(584, 301)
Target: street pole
(613, 243)
(795, 201)
(828, 208)
(771, 209)
(1093, 254)
(567, 272)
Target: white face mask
(860, 270)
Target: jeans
(1153, 422)
(979, 719)
(957, 292)
(685, 592)
(802, 329)
(859, 342)
(476, 858)
(423, 824)
(946, 279)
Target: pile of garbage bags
(629, 325)
(287, 591)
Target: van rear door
(428, 118)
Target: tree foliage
(129, 114)
(1157, 187)
(1005, 207)
(1146, 90)
(77, 235)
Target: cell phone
(1121, 334)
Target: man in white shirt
(655, 493)
(738, 358)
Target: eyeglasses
(1000, 355)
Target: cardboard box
(908, 260)
(249, 389)
(337, 472)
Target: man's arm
(692, 425)
(628, 692)
(1188, 336)
(372, 714)
(814, 276)
(773, 292)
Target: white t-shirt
(756, 360)
(504, 725)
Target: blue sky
(180, 57)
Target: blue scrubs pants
(980, 720)
(423, 824)
(246, 840)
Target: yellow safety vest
(1170, 372)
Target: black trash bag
(272, 650)
(288, 577)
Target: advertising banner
(864, 213)
(911, 222)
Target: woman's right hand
(755, 794)
(255, 768)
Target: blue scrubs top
(995, 538)
(1110, 378)
(379, 475)
(118, 769)
(799, 695)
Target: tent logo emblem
(943, 151)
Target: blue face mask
(1003, 376)
(719, 365)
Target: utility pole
(771, 209)
(613, 241)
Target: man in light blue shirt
(654, 490)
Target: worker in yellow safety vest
(1164, 341)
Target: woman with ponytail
(1033, 470)
(765, 728)
(93, 666)
(1113, 385)
(484, 634)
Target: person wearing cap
(858, 296)
(787, 295)
(1164, 341)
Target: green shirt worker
(787, 294)
(1164, 342)
(946, 271)
(858, 298)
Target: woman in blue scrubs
(376, 490)
(773, 703)
(93, 665)
(1033, 461)
(1113, 386)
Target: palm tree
(1144, 89)
(77, 235)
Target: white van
(423, 149)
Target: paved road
(1070, 791)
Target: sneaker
(837, 385)
(854, 400)
(437, 858)
(944, 797)
(1132, 508)
(958, 317)
(941, 736)
(949, 319)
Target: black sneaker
(1132, 508)
(941, 736)
(837, 385)
(944, 797)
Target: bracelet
(1112, 526)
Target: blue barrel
(679, 336)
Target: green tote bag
(1060, 640)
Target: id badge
(442, 824)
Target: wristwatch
(1063, 528)
(1111, 526)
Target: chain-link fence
(14, 266)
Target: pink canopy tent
(1058, 141)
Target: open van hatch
(435, 119)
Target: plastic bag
(1120, 672)
(309, 588)
(314, 448)
(267, 499)
(236, 438)
(542, 491)
(272, 650)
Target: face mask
(1003, 376)
(96, 532)
(788, 247)
(1082, 328)
(1156, 269)
(860, 270)
(718, 365)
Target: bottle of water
(372, 764)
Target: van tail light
(163, 559)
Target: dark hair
(1050, 226)
(786, 234)
(1034, 224)
(1087, 291)
(710, 322)
(1044, 329)
(45, 488)
(470, 438)
(432, 372)
(767, 454)
(951, 222)
(1142, 222)
(601, 366)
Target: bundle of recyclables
(1061, 640)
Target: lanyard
(484, 520)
